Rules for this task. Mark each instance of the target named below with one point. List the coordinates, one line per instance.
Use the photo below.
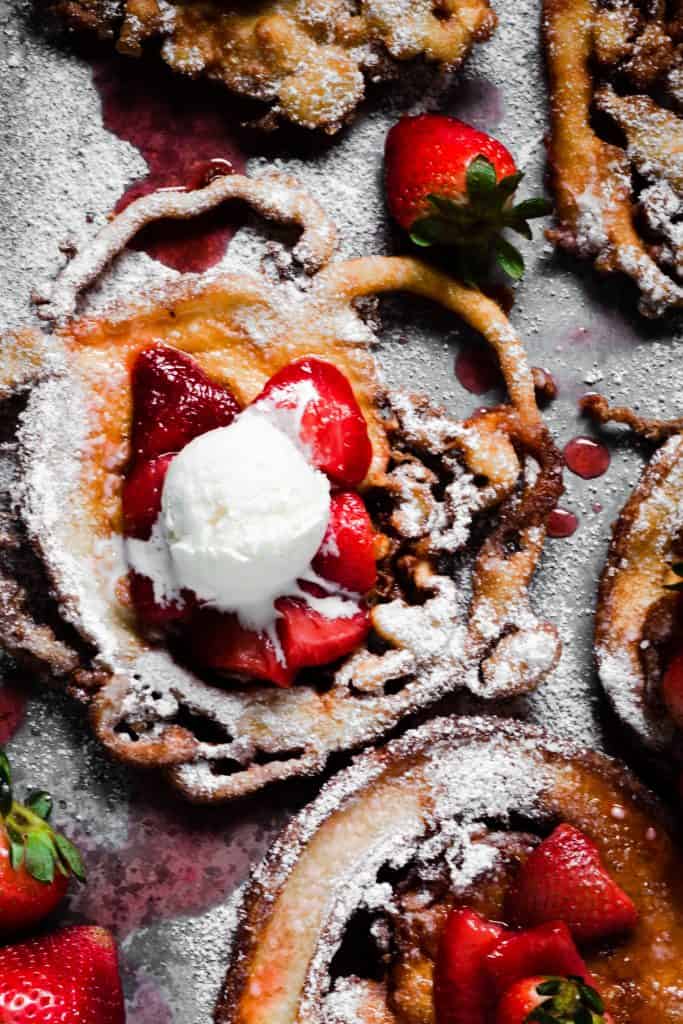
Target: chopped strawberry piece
(548, 949)
(141, 497)
(174, 401)
(151, 611)
(332, 424)
(219, 641)
(309, 638)
(672, 688)
(347, 555)
(461, 986)
(565, 880)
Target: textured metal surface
(161, 873)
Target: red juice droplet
(12, 705)
(561, 523)
(586, 457)
(186, 133)
(477, 370)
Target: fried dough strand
(601, 214)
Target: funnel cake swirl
(636, 613)
(429, 821)
(308, 61)
(433, 485)
(619, 61)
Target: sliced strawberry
(141, 497)
(672, 688)
(347, 555)
(565, 880)
(564, 1000)
(461, 985)
(150, 611)
(548, 949)
(218, 641)
(309, 638)
(174, 401)
(332, 424)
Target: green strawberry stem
(570, 1001)
(32, 840)
(473, 225)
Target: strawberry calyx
(473, 223)
(33, 843)
(568, 1000)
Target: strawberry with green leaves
(448, 184)
(551, 1000)
(36, 863)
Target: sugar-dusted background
(161, 873)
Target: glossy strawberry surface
(334, 435)
(519, 1001)
(429, 155)
(564, 1001)
(69, 977)
(564, 879)
(333, 427)
(24, 900)
(306, 639)
(548, 949)
(141, 496)
(347, 555)
(462, 989)
(174, 401)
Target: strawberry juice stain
(187, 133)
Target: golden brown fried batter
(435, 487)
(616, 150)
(309, 59)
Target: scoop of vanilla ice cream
(243, 514)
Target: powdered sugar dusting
(62, 174)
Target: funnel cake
(616, 75)
(344, 919)
(459, 509)
(638, 615)
(308, 61)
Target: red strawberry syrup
(173, 861)
(561, 523)
(477, 369)
(12, 706)
(586, 457)
(187, 134)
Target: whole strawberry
(449, 184)
(69, 977)
(550, 1000)
(36, 862)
